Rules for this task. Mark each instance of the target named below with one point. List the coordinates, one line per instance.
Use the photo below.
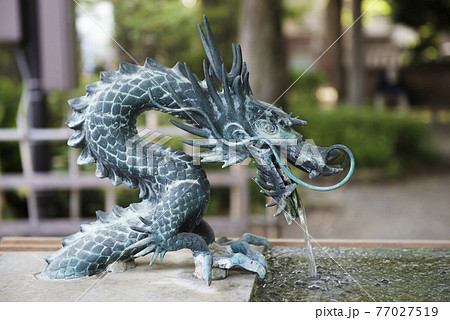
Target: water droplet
(314, 287)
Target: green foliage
(385, 140)
(430, 19)
(305, 88)
(165, 30)
(295, 10)
(417, 13)
(126, 196)
(91, 201)
(15, 205)
(219, 204)
(9, 100)
(10, 91)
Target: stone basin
(349, 271)
(357, 274)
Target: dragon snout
(316, 161)
(329, 155)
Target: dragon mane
(222, 108)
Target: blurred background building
(370, 74)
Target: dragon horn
(236, 67)
(245, 79)
(237, 88)
(201, 145)
(298, 122)
(226, 89)
(189, 129)
(212, 87)
(212, 52)
(197, 89)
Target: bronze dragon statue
(231, 123)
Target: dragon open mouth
(321, 167)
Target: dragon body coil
(174, 190)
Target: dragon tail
(101, 243)
(98, 244)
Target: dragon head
(237, 126)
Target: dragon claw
(255, 240)
(144, 252)
(204, 266)
(227, 253)
(138, 229)
(154, 257)
(161, 256)
(145, 221)
(241, 260)
(244, 248)
(207, 269)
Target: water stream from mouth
(311, 261)
(287, 175)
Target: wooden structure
(54, 243)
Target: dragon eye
(270, 128)
(267, 127)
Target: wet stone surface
(356, 274)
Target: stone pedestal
(172, 280)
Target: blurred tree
(356, 70)
(335, 66)
(166, 30)
(10, 88)
(260, 35)
(430, 18)
(223, 17)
